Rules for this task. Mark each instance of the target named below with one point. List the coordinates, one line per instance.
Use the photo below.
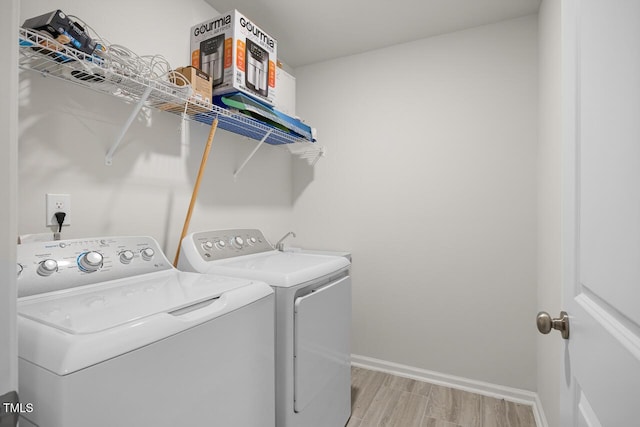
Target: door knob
(545, 323)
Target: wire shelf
(39, 52)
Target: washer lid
(66, 331)
(281, 269)
(95, 308)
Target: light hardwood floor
(379, 399)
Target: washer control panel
(221, 244)
(62, 264)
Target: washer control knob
(238, 242)
(47, 267)
(126, 256)
(208, 245)
(252, 240)
(220, 244)
(19, 269)
(90, 261)
(147, 254)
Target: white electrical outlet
(58, 203)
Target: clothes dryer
(313, 319)
(110, 334)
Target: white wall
(430, 181)
(65, 132)
(550, 348)
(8, 190)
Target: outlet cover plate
(58, 203)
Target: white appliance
(313, 319)
(110, 334)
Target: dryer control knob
(208, 245)
(252, 240)
(90, 261)
(126, 256)
(47, 267)
(237, 242)
(147, 254)
(220, 244)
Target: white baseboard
(487, 389)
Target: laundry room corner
(431, 185)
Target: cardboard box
(200, 82)
(237, 54)
(200, 98)
(285, 100)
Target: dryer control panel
(62, 264)
(222, 244)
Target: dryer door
(322, 347)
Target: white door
(601, 212)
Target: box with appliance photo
(237, 54)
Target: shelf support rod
(108, 160)
(264, 138)
(322, 153)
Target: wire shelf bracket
(108, 160)
(264, 138)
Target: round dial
(19, 268)
(252, 240)
(90, 261)
(237, 242)
(47, 267)
(208, 245)
(147, 254)
(220, 244)
(126, 256)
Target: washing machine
(110, 334)
(313, 319)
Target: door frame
(9, 191)
(570, 82)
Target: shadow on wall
(266, 180)
(71, 129)
(303, 175)
(65, 131)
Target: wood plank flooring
(380, 399)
